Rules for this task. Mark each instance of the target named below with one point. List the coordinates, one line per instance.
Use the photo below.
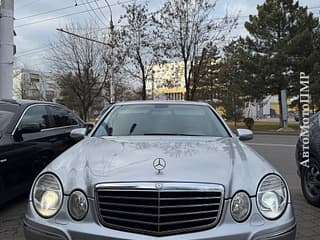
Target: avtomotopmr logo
(305, 126)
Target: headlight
(47, 195)
(78, 205)
(240, 206)
(272, 197)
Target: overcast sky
(36, 21)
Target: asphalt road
(279, 150)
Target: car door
(23, 152)
(63, 123)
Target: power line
(246, 16)
(93, 10)
(54, 10)
(28, 4)
(67, 15)
(90, 13)
(31, 50)
(102, 13)
(313, 7)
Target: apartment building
(35, 85)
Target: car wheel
(310, 182)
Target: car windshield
(161, 119)
(5, 118)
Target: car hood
(225, 161)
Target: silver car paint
(225, 161)
(256, 227)
(115, 159)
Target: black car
(309, 166)
(32, 134)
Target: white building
(267, 108)
(36, 85)
(166, 81)
(258, 110)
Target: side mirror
(29, 128)
(78, 133)
(89, 127)
(244, 134)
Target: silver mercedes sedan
(160, 170)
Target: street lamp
(111, 28)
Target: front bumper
(62, 227)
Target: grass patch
(264, 126)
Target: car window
(5, 118)
(62, 117)
(161, 119)
(36, 115)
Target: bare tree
(79, 66)
(136, 37)
(188, 29)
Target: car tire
(310, 183)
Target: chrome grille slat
(191, 198)
(129, 198)
(187, 221)
(134, 221)
(152, 198)
(190, 205)
(130, 205)
(130, 213)
(187, 213)
(149, 209)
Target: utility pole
(284, 108)
(6, 48)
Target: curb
(294, 133)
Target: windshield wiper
(171, 134)
(132, 128)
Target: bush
(249, 122)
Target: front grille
(159, 208)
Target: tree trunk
(144, 92)
(186, 80)
(84, 112)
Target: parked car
(32, 134)
(160, 169)
(297, 116)
(103, 111)
(309, 166)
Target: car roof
(24, 102)
(161, 102)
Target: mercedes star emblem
(159, 164)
